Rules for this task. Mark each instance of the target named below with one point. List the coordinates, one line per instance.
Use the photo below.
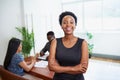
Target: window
(95, 15)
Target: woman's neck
(68, 37)
(17, 51)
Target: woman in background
(14, 61)
(69, 54)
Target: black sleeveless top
(68, 57)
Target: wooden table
(43, 73)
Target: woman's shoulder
(59, 38)
(80, 39)
(18, 56)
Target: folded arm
(80, 68)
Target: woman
(14, 60)
(69, 54)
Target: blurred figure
(14, 61)
(50, 37)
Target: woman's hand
(80, 68)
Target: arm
(27, 67)
(42, 52)
(52, 63)
(81, 68)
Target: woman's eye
(68, 22)
(71, 22)
(64, 22)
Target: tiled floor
(102, 70)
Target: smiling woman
(68, 54)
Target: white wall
(13, 14)
(10, 17)
(45, 18)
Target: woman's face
(20, 48)
(68, 24)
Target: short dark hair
(63, 14)
(50, 33)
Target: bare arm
(27, 67)
(44, 50)
(52, 63)
(81, 68)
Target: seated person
(50, 37)
(14, 61)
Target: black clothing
(46, 47)
(68, 57)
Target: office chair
(7, 75)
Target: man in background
(50, 37)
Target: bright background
(100, 17)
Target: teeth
(68, 28)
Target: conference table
(40, 72)
(43, 73)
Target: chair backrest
(7, 75)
